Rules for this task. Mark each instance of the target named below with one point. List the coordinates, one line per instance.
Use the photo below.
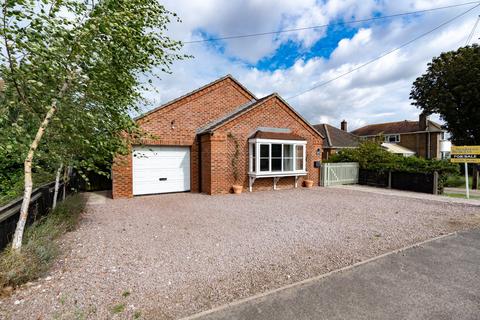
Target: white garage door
(160, 169)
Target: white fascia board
(274, 141)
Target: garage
(160, 169)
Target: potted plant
(236, 187)
(308, 183)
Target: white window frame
(255, 143)
(387, 138)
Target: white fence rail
(339, 173)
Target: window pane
(264, 150)
(299, 151)
(277, 164)
(299, 158)
(299, 164)
(287, 150)
(264, 164)
(288, 164)
(276, 150)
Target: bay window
(281, 157)
(276, 158)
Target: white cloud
(376, 93)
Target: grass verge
(457, 181)
(39, 246)
(461, 195)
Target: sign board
(465, 154)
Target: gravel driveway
(168, 256)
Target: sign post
(465, 155)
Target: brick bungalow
(217, 136)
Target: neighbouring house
(217, 136)
(336, 139)
(422, 138)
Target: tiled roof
(394, 127)
(245, 108)
(337, 138)
(396, 148)
(276, 135)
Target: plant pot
(308, 183)
(237, 189)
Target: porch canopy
(276, 154)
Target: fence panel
(417, 182)
(373, 178)
(339, 173)
(40, 205)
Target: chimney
(343, 125)
(423, 121)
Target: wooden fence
(40, 205)
(408, 181)
(339, 173)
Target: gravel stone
(178, 254)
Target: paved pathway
(98, 197)
(439, 279)
(409, 194)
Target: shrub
(40, 248)
(11, 183)
(371, 156)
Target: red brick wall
(418, 142)
(188, 114)
(217, 168)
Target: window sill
(277, 174)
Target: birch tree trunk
(27, 193)
(57, 185)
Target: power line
(330, 24)
(470, 36)
(384, 54)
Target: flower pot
(308, 183)
(237, 189)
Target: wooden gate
(339, 173)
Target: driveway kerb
(319, 277)
(410, 194)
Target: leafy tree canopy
(451, 88)
(72, 73)
(97, 52)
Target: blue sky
(292, 62)
(289, 52)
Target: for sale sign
(465, 154)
